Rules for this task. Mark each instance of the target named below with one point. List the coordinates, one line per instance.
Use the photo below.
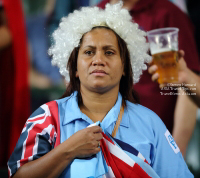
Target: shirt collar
(71, 108)
(73, 112)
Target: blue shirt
(140, 127)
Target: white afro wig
(73, 27)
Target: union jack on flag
(40, 134)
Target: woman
(103, 48)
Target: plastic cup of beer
(164, 49)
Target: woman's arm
(50, 165)
(84, 143)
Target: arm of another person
(185, 112)
(190, 81)
(184, 121)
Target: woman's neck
(96, 105)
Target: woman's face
(99, 65)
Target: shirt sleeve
(37, 138)
(167, 159)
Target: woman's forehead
(100, 36)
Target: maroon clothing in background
(14, 89)
(153, 14)
(6, 102)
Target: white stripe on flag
(46, 112)
(34, 123)
(10, 171)
(141, 156)
(18, 164)
(44, 131)
(32, 118)
(119, 153)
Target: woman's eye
(89, 52)
(109, 53)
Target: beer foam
(159, 50)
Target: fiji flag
(122, 160)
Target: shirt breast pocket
(145, 150)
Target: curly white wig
(73, 27)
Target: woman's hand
(86, 142)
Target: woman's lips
(99, 72)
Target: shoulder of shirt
(141, 110)
(51, 105)
(138, 107)
(148, 118)
(63, 100)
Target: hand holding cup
(182, 67)
(164, 49)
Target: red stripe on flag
(53, 119)
(36, 119)
(139, 171)
(107, 138)
(146, 162)
(53, 107)
(37, 128)
(118, 166)
(110, 162)
(127, 171)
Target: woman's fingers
(87, 141)
(98, 136)
(95, 129)
(98, 144)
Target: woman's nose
(99, 59)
